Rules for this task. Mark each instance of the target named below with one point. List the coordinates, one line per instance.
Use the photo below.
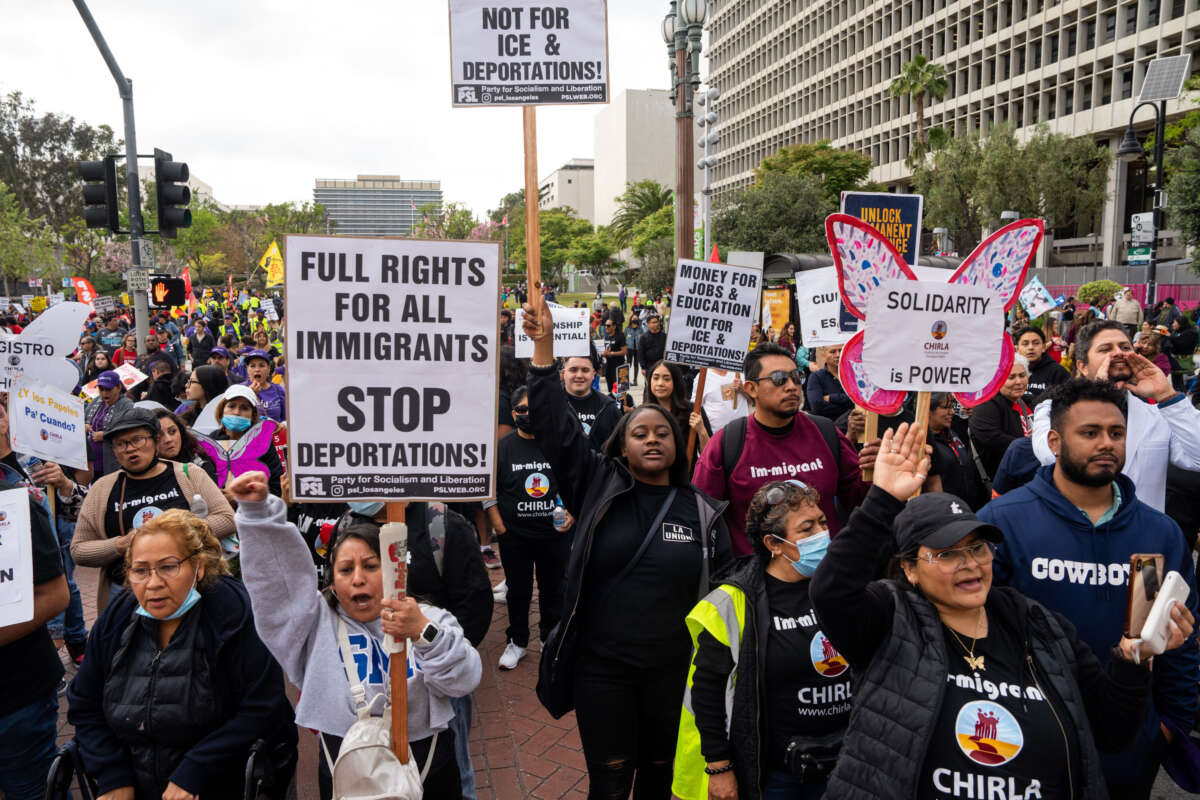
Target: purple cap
(108, 380)
(256, 353)
(219, 351)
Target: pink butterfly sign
(865, 259)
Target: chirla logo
(826, 660)
(939, 330)
(536, 485)
(988, 733)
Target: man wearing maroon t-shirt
(781, 443)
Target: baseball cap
(131, 419)
(242, 391)
(256, 353)
(219, 351)
(938, 520)
(108, 379)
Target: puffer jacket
(187, 714)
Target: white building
(201, 191)
(571, 185)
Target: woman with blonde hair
(177, 686)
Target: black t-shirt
(806, 680)
(953, 462)
(143, 500)
(639, 622)
(525, 488)
(615, 342)
(30, 665)
(309, 518)
(996, 728)
(598, 415)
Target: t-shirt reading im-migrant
(135, 501)
(525, 488)
(996, 735)
(639, 623)
(598, 414)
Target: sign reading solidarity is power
(528, 52)
(934, 337)
(712, 309)
(392, 360)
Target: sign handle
(922, 419)
(398, 658)
(533, 242)
(696, 406)
(870, 433)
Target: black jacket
(188, 715)
(994, 426)
(454, 578)
(894, 642)
(1044, 375)
(589, 484)
(651, 347)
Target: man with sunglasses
(778, 442)
(1068, 537)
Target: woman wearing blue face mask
(768, 695)
(244, 441)
(177, 685)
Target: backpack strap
(733, 439)
(830, 434)
(357, 693)
(429, 756)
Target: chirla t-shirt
(135, 501)
(998, 734)
(525, 488)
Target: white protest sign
(932, 337)
(16, 558)
(20, 308)
(528, 52)
(104, 304)
(712, 309)
(269, 311)
(130, 376)
(47, 423)
(392, 368)
(57, 297)
(26, 300)
(23, 354)
(570, 332)
(1036, 298)
(820, 308)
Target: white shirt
(718, 399)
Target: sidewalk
(517, 750)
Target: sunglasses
(779, 377)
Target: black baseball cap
(132, 419)
(939, 520)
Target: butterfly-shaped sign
(866, 260)
(241, 455)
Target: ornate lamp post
(682, 29)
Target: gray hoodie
(300, 629)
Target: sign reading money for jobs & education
(528, 52)
(932, 337)
(712, 309)
(392, 368)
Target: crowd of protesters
(728, 604)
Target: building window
(1110, 26)
(1089, 34)
(1127, 83)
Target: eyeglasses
(948, 561)
(779, 377)
(140, 573)
(132, 442)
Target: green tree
(26, 244)
(1183, 190)
(657, 272)
(920, 80)
(649, 229)
(783, 214)
(638, 201)
(838, 170)
(508, 203)
(593, 251)
(198, 246)
(453, 221)
(1098, 292)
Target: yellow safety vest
(722, 614)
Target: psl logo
(311, 486)
(466, 94)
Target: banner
(1035, 298)
(272, 264)
(39, 304)
(571, 336)
(84, 292)
(187, 282)
(527, 52)
(824, 320)
(776, 310)
(712, 309)
(269, 311)
(16, 558)
(896, 216)
(46, 423)
(392, 368)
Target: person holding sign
(301, 626)
(646, 543)
(614, 351)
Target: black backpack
(734, 440)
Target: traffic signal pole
(136, 226)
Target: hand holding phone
(1162, 630)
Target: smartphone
(1155, 631)
(1145, 570)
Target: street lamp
(682, 30)
(708, 99)
(1130, 151)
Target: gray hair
(1020, 361)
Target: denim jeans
(27, 746)
(69, 625)
(461, 725)
(786, 786)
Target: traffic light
(166, 292)
(100, 193)
(170, 184)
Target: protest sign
(570, 332)
(776, 309)
(26, 354)
(104, 304)
(269, 311)
(27, 300)
(84, 291)
(823, 321)
(16, 558)
(526, 52)
(897, 217)
(392, 368)
(4, 301)
(38, 304)
(47, 423)
(934, 337)
(56, 298)
(272, 264)
(712, 309)
(1036, 299)
(130, 376)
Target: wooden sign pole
(533, 242)
(696, 406)
(870, 433)
(398, 658)
(922, 418)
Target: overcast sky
(261, 97)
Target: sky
(261, 97)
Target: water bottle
(198, 506)
(559, 515)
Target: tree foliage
(657, 271)
(26, 244)
(838, 170)
(1183, 189)
(639, 201)
(660, 224)
(1098, 292)
(783, 214)
(453, 221)
(920, 79)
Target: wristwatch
(429, 634)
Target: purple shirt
(271, 402)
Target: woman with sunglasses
(769, 696)
(961, 686)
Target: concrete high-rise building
(376, 205)
(201, 191)
(799, 71)
(571, 185)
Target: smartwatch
(428, 635)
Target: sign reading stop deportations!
(392, 368)
(932, 337)
(712, 309)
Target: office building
(376, 205)
(572, 185)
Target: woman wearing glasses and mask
(768, 696)
(177, 685)
(962, 689)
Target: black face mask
(523, 423)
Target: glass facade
(376, 205)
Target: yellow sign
(125, 298)
(272, 263)
(776, 311)
(37, 304)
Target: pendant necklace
(973, 661)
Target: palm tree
(638, 201)
(920, 79)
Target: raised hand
(537, 322)
(248, 487)
(1148, 380)
(902, 464)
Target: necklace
(973, 661)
